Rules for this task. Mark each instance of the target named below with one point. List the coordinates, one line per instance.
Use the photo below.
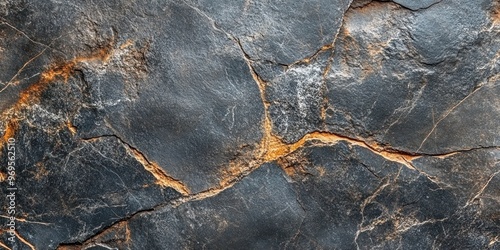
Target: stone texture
(251, 124)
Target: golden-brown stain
(277, 149)
(41, 171)
(72, 128)
(30, 95)
(9, 132)
(126, 44)
(293, 165)
(321, 170)
(162, 178)
(309, 59)
(444, 156)
(128, 234)
(495, 13)
(5, 246)
(272, 148)
(3, 176)
(227, 175)
(27, 243)
(69, 247)
(119, 232)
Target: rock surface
(198, 124)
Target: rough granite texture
(231, 124)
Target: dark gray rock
(417, 5)
(199, 115)
(297, 99)
(339, 196)
(263, 202)
(398, 78)
(198, 105)
(251, 124)
(280, 32)
(69, 188)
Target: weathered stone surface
(417, 5)
(280, 32)
(396, 77)
(250, 124)
(336, 196)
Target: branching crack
(385, 182)
(481, 191)
(162, 178)
(3, 21)
(447, 113)
(12, 80)
(85, 242)
(271, 147)
(404, 228)
(32, 93)
(431, 178)
(325, 103)
(173, 203)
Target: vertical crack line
(265, 151)
(268, 139)
(326, 47)
(383, 184)
(341, 25)
(328, 66)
